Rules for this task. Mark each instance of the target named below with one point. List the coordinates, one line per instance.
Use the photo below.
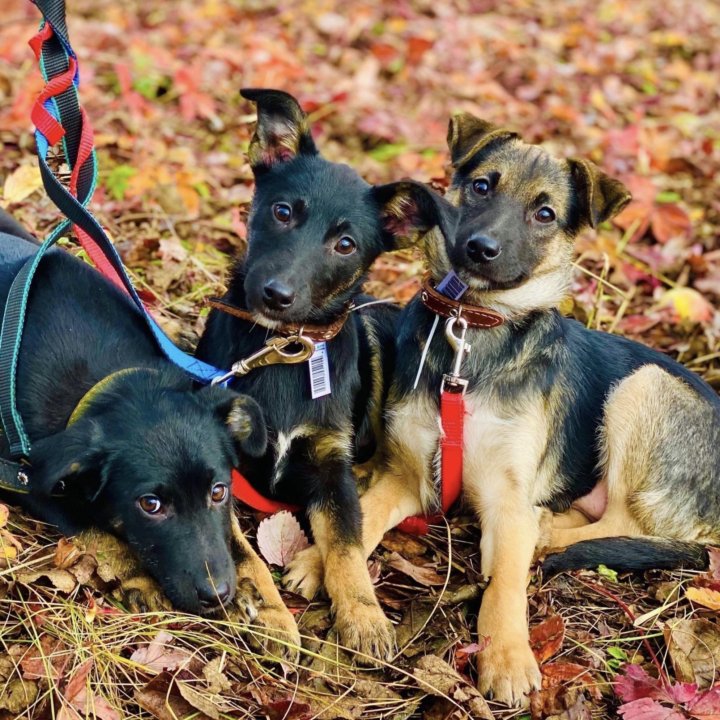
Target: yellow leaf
(4, 515)
(688, 304)
(705, 597)
(22, 183)
(8, 552)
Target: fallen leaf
(688, 304)
(704, 596)
(22, 183)
(669, 221)
(159, 699)
(83, 700)
(60, 579)
(438, 678)
(46, 662)
(547, 638)
(647, 709)
(280, 538)
(694, 648)
(707, 705)
(159, 654)
(423, 575)
(201, 701)
(714, 563)
(67, 554)
(4, 515)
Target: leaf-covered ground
(633, 85)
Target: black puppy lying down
(122, 441)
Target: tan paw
(282, 639)
(364, 629)
(508, 672)
(142, 594)
(273, 628)
(304, 573)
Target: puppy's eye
(282, 212)
(545, 215)
(219, 492)
(481, 187)
(150, 504)
(345, 245)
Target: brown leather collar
(317, 333)
(476, 317)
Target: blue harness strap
(56, 58)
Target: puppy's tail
(627, 554)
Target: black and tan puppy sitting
(553, 410)
(122, 442)
(314, 230)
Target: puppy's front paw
(274, 630)
(283, 637)
(364, 628)
(142, 594)
(304, 573)
(508, 672)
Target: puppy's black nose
(277, 295)
(213, 595)
(482, 249)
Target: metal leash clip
(452, 382)
(274, 352)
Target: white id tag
(319, 367)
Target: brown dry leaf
(547, 638)
(704, 596)
(217, 680)
(159, 654)
(67, 554)
(81, 701)
(438, 678)
(45, 662)
(21, 183)
(84, 569)
(694, 647)
(158, 699)
(423, 575)
(404, 544)
(60, 579)
(212, 706)
(4, 515)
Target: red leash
(452, 421)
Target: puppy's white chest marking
(503, 447)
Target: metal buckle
(452, 382)
(272, 353)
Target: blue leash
(65, 109)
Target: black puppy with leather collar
(314, 230)
(123, 442)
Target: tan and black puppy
(554, 411)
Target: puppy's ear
(242, 416)
(468, 134)
(600, 197)
(72, 462)
(409, 210)
(282, 131)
